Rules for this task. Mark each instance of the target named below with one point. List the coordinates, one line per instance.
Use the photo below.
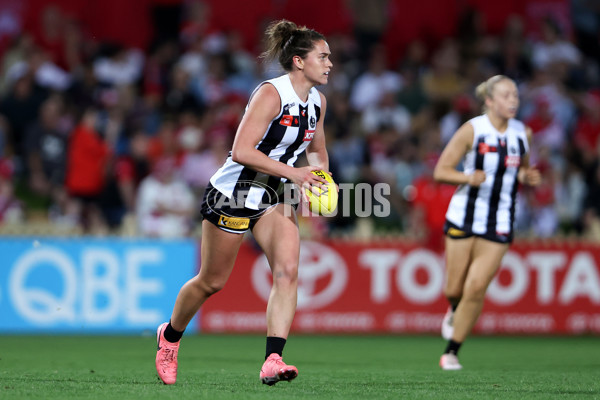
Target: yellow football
(326, 202)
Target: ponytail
(284, 40)
(486, 88)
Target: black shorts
(455, 232)
(225, 215)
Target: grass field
(330, 367)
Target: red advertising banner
(396, 287)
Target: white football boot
(449, 362)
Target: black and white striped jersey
(287, 136)
(489, 209)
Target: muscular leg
(277, 234)
(219, 250)
(458, 257)
(486, 259)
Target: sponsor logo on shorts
(456, 232)
(234, 222)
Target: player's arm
(527, 174)
(263, 108)
(445, 170)
(316, 152)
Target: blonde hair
(485, 89)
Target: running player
(479, 220)
(283, 118)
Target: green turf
(331, 367)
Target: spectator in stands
(164, 143)
(118, 66)
(554, 51)
(512, 59)
(46, 74)
(412, 95)
(200, 161)
(165, 205)
(587, 130)
(463, 109)
(546, 127)
(45, 154)
(215, 86)
(118, 199)
(544, 222)
(138, 91)
(86, 172)
(386, 112)
(157, 70)
(370, 22)
(569, 194)
(591, 218)
(443, 81)
(196, 22)
(20, 108)
(11, 209)
(368, 88)
(429, 201)
(179, 96)
(19, 51)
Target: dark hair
(284, 40)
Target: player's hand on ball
(307, 180)
(322, 199)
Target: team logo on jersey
(312, 122)
(308, 135)
(234, 222)
(303, 112)
(512, 150)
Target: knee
(475, 290)
(285, 274)
(209, 286)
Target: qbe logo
(322, 276)
(94, 286)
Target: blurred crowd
(98, 138)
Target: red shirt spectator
(87, 158)
(587, 132)
(433, 199)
